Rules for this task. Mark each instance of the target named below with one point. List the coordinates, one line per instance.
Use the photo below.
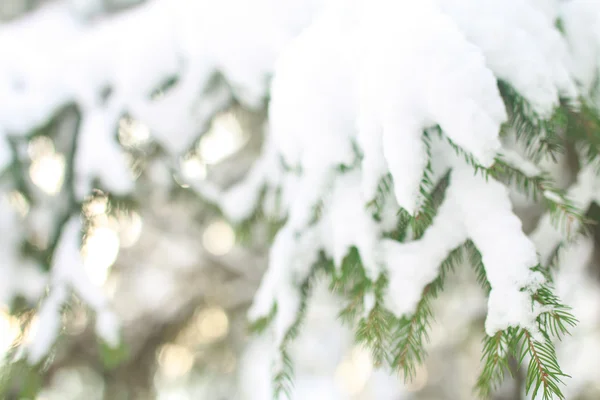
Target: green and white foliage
(398, 134)
(397, 131)
(71, 78)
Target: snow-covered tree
(403, 141)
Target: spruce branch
(411, 335)
(543, 371)
(384, 189)
(374, 330)
(244, 230)
(260, 325)
(426, 186)
(476, 261)
(351, 283)
(412, 332)
(552, 264)
(282, 381)
(418, 224)
(432, 201)
(556, 317)
(584, 131)
(430, 197)
(460, 152)
(540, 137)
(284, 371)
(495, 363)
(563, 213)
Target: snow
(311, 110)
(94, 146)
(553, 197)
(240, 201)
(516, 160)
(52, 57)
(401, 53)
(521, 45)
(354, 84)
(132, 53)
(507, 253)
(321, 348)
(48, 325)
(477, 209)
(18, 275)
(328, 95)
(581, 22)
(576, 287)
(413, 265)
(547, 236)
(347, 204)
(67, 273)
(278, 286)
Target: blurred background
(122, 108)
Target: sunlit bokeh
(209, 325)
(175, 360)
(192, 168)
(132, 132)
(40, 146)
(218, 238)
(224, 138)
(99, 252)
(127, 224)
(47, 169)
(352, 374)
(212, 324)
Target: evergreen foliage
(501, 129)
(400, 343)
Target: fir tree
(397, 131)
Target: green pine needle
(374, 332)
(412, 333)
(283, 378)
(544, 375)
(584, 131)
(475, 260)
(401, 341)
(543, 371)
(495, 363)
(558, 320)
(260, 325)
(540, 137)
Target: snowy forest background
(131, 254)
